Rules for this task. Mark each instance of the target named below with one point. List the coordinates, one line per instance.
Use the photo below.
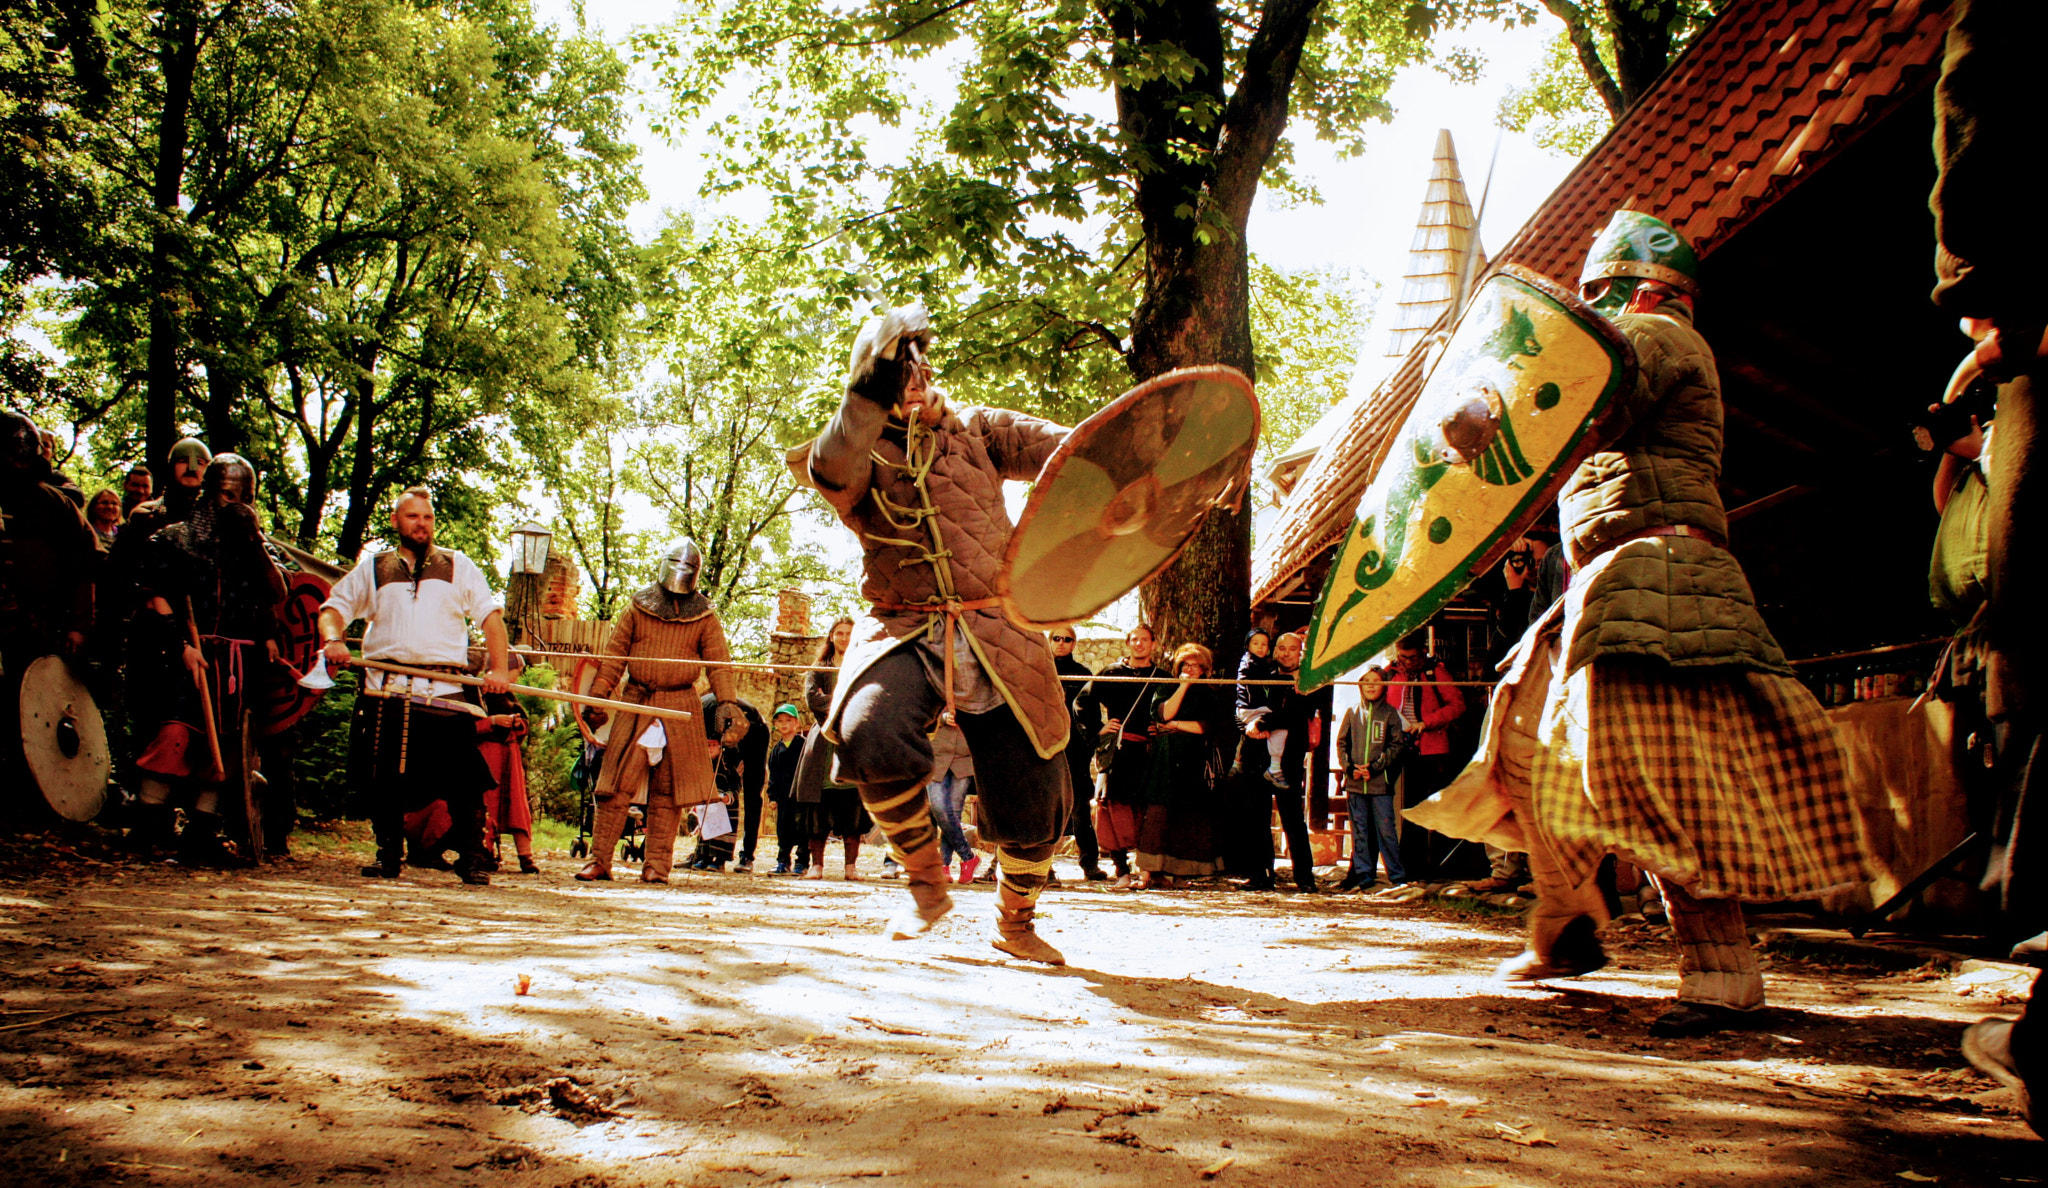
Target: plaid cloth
(1728, 781)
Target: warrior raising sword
(920, 483)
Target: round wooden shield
(1508, 413)
(308, 582)
(64, 740)
(1120, 498)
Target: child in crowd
(791, 829)
(1368, 742)
(1258, 665)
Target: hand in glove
(877, 368)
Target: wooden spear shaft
(457, 678)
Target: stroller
(583, 778)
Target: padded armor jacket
(1679, 599)
(929, 533)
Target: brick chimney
(792, 613)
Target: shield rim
(1310, 677)
(1039, 486)
(22, 712)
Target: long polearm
(456, 678)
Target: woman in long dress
(830, 809)
(1177, 838)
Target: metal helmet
(1635, 247)
(230, 473)
(21, 447)
(193, 453)
(679, 567)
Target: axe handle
(457, 678)
(220, 768)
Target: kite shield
(1512, 408)
(64, 740)
(1121, 497)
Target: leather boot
(155, 829)
(1570, 951)
(1014, 932)
(930, 900)
(200, 844)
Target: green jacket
(1681, 600)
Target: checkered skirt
(1729, 781)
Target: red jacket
(1438, 702)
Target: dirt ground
(299, 1024)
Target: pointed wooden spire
(1444, 233)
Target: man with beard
(920, 483)
(414, 739)
(46, 564)
(207, 577)
(658, 649)
(1080, 747)
(1122, 744)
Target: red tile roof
(1759, 101)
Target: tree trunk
(1642, 47)
(1201, 314)
(179, 53)
(1197, 303)
(362, 493)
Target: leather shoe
(381, 870)
(593, 873)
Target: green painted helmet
(1639, 247)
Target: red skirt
(1116, 825)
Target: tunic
(933, 528)
(655, 660)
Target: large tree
(1072, 199)
(351, 238)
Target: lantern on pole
(523, 593)
(530, 548)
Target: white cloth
(655, 739)
(714, 821)
(424, 622)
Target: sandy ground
(299, 1024)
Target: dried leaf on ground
(1527, 1136)
(1215, 1169)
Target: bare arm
(498, 676)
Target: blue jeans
(1375, 833)
(949, 794)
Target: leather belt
(952, 609)
(1686, 530)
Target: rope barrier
(754, 666)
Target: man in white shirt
(414, 739)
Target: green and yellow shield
(1511, 409)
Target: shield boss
(1124, 493)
